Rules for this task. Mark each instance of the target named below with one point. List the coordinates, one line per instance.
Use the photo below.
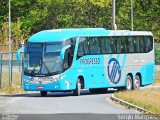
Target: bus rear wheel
(77, 91)
(128, 83)
(136, 83)
(43, 93)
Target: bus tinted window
(92, 45)
(86, 46)
(136, 44)
(118, 44)
(142, 44)
(130, 45)
(115, 45)
(106, 45)
(149, 43)
(80, 48)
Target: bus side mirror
(62, 54)
(18, 54)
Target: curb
(129, 105)
(16, 94)
(13, 95)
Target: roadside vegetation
(147, 99)
(15, 87)
(157, 53)
(157, 79)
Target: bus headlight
(26, 80)
(54, 79)
(57, 78)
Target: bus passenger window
(114, 45)
(68, 58)
(130, 45)
(149, 44)
(123, 45)
(119, 45)
(80, 51)
(108, 46)
(92, 46)
(142, 44)
(86, 46)
(97, 46)
(103, 43)
(136, 45)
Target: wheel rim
(79, 85)
(136, 83)
(129, 84)
(78, 88)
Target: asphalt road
(62, 104)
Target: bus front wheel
(77, 91)
(128, 83)
(136, 83)
(43, 93)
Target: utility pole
(9, 37)
(131, 15)
(114, 26)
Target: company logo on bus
(114, 71)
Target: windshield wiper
(33, 70)
(46, 68)
(40, 65)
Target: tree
(36, 15)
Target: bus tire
(128, 85)
(43, 93)
(77, 91)
(136, 83)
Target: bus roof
(57, 35)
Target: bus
(61, 60)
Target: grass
(13, 88)
(157, 78)
(147, 99)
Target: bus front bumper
(55, 86)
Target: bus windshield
(42, 58)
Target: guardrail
(16, 67)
